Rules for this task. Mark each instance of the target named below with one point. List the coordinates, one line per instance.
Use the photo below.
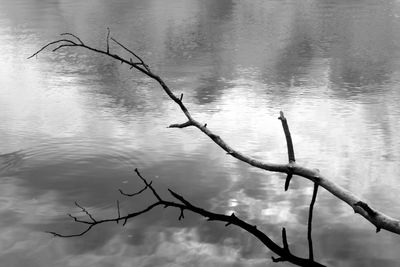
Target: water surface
(74, 125)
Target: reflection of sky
(73, 126)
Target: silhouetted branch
(108, 40)
(290, 149)
(119, 211)
(136, 193)
(85, 211)
(134, 54)
(289, 142)
(310, 215)
(183, 204)
(284, 239)
(53, 43)
(73, 35)
(181, 125)
(377, 218)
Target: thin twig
(108, 40)
(136, 193)
(50, 44)
(134, 54)
(310, 216)
(148, 185)
(85, 211)
(119, 212)
(73, 35)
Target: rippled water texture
(74, 125)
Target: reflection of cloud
(174, 247)
(21, 245)
(26, 210)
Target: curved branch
(310, 216)
(183, 204)
(377, 218)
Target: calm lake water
(74, 125)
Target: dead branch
(184, 205)
(310, 216)
(377, 218)
(290, 148)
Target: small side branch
(136, 193)
(288, 179)
(181, 125)
(108, 40)
(73, 35)
(310, 216)
(284, 240)
(119, 211)
(288, 137)
(290, 148)
(134, 54)
(65, 41)
(85, 211)
(148, 185)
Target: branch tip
(73, 35)
(287, 181)
(288, 137)
(284, 240)
(181, 215)
(108, 40)
(181, 125)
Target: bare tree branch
(288, 137)
(65, 41)
(290, 149)
(136, 193)
(181, 125)
(183, 204)
(108, 40)
(119, 211)
(73, 35)
(377, 218)
(85, 211)
(309, 228)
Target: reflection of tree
(377, 218)
(356, 75)
(354, 42)
(294, 59)
(210, 87)
(358, 41)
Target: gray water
(74, 125)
